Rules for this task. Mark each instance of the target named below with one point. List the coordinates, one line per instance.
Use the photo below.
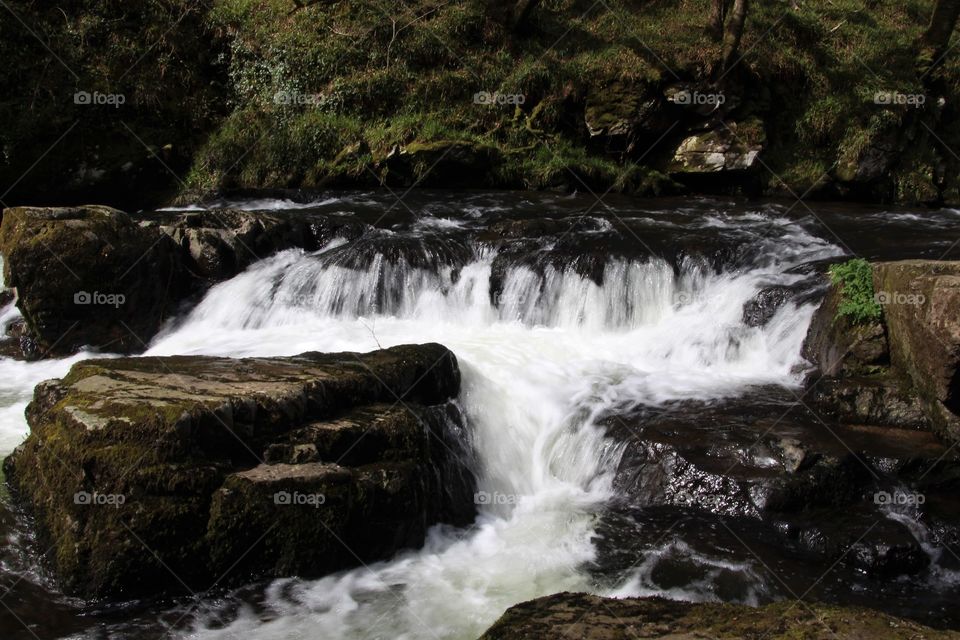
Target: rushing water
(544, 359)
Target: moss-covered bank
(624, 94)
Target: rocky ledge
(163, 474)
(586, 617)
(94, 276)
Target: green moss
(858, 301)
(373, 74)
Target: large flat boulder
(587, 617)
(155, 474)
(921, 300)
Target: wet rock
(594, 618)
(758, 311)
(428, 252)
(144, 472)
(922, 314)
(771, 460)
(217, 244)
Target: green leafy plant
(858, 301)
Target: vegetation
(858, 301)
(276, 93)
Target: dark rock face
(769, 460)
(148, 473)
(577, 615)
(885, 400)
(94, 276)
(445, 163)
(624, 120)
(837, 346)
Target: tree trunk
(944, 19)
(717, 18)
(731, 41)
(521, 13)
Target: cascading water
(556, 333)
(556, 353)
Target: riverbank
(821, 101)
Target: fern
(858, 301)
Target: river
(550, 344)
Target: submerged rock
(148, 474)
(587, 617)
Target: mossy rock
(922, 314)
(578, 615)
(89, 276)
(147, 473)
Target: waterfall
(546, 352)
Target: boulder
(588, 617)
(733, 148)
(921, 301)
(148, 474)
(89, 276)
(96, 277)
